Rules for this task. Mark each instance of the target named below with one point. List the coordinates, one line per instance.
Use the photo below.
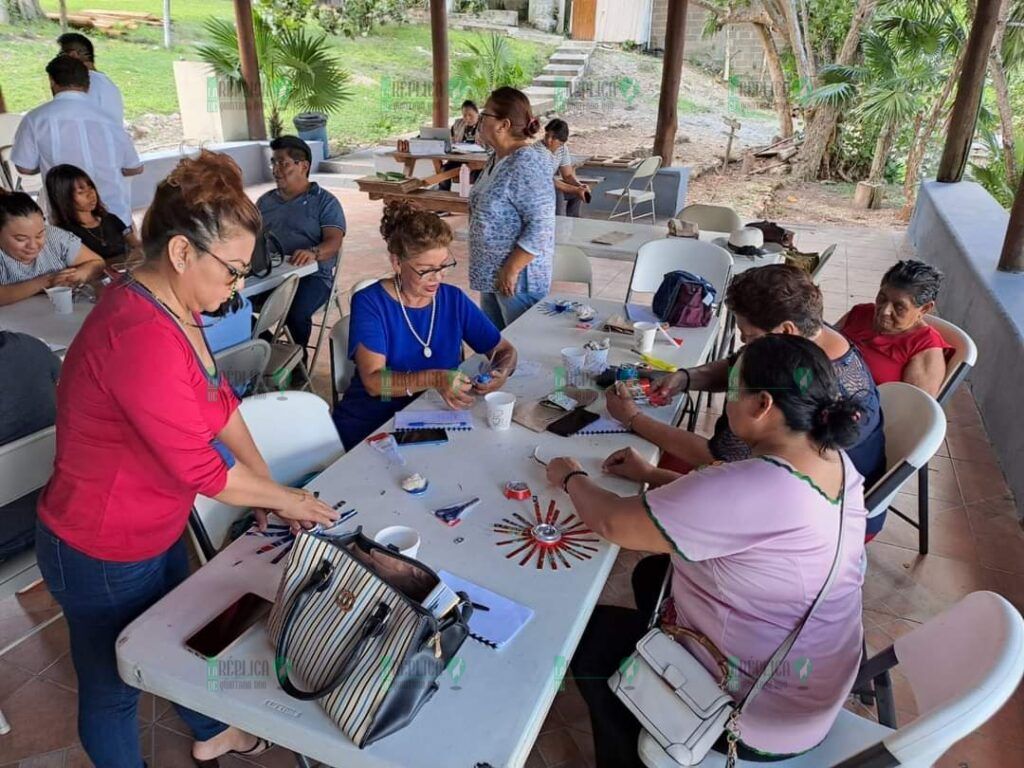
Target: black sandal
(262, 745)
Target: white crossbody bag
(679, 702)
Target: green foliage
(359, 18)
(285, 14)
(298, 70)
(992, 174)
(471, 6)
(486, 63)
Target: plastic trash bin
(312, 126)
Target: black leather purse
(267, 253)
(350, 625)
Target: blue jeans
(312, 294)
(504, 310)
(100, 598)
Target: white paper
(498, 625)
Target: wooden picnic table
(475, 160)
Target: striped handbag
(348, 623)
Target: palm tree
(488, 63)
(297, 70)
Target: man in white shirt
(101, 88)
(72, 129)
(570, 192)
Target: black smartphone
(228, 626)
(421, 437)
(573, 422)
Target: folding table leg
(922, 510)
(301, 761)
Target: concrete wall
(251, 156)
(747, 54)
(960, 229)
(670, 185)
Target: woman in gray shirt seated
(511, 211)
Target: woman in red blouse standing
(144, 423)
(892, 335)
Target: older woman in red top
(892, 335)
(144, 423)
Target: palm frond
(831, 95)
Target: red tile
(950, 533)
(557, 746)
(970, 443)
(42, 718)
(978, 751)
(980, 482)
(42, 649)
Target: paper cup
(400, 537)
(597, 360)
(63, 301)
(644, 335)
(574, 360)
(499, 409)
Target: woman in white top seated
(35, 256)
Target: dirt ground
(619, 114)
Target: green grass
(137, 61)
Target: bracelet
(570, 476)
(687, 372)
(629, 424)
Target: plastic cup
(597, 360)
(574, 360)
(399, 537)
(644, 335)
(63, 301)
(499, 409)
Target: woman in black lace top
(772, 299)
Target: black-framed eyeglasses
(489, 114)
(283, 162)
(235, 273)
(425, 273)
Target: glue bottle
(464, 181)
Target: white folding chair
(571, 265)
(915, 426)
(343, 368)
(244, 364)
(25, 466)
(634, 196)
(285, 354)
(658, 257)
(322, 325)
(962, 665)
(822, 261)
(965, 357)
(296, 437)
(711, 218)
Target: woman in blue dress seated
(407, 330)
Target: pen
(480, 607)
(280, 556)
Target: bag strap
(783, 650)
(372, 626)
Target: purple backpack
(684, 300)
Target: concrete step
(540, 106)
(577, 45)
(542, 92)
(346, 165)
(568, 70)
(338, 180)
(556, 81)
(579, 59)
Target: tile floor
(977, 543)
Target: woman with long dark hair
(145, 422)
(75, 206)
(750, 545)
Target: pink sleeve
(149, 374)
(711, 512)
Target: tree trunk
(920, 145)
(796, 40)
(807, 38)
(3, 104)
(27, 10)
(5, 15)
(882, 149)
(1002, 89)
(822, 125)
(63, 15)
(780, 88)
(167, 25)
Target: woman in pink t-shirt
(751, 543)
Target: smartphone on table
(225, 629)
(421, 437)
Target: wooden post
(250, 70)
(1012, 257)
(63, 16)
(3, 104)
(439, 49)
(964, 116)
(671, 74)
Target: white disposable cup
(574, 360)
(499, 409)
(597, 360)
(644, 335)
(403, 538)
(63, 301)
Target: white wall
(621, 20)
